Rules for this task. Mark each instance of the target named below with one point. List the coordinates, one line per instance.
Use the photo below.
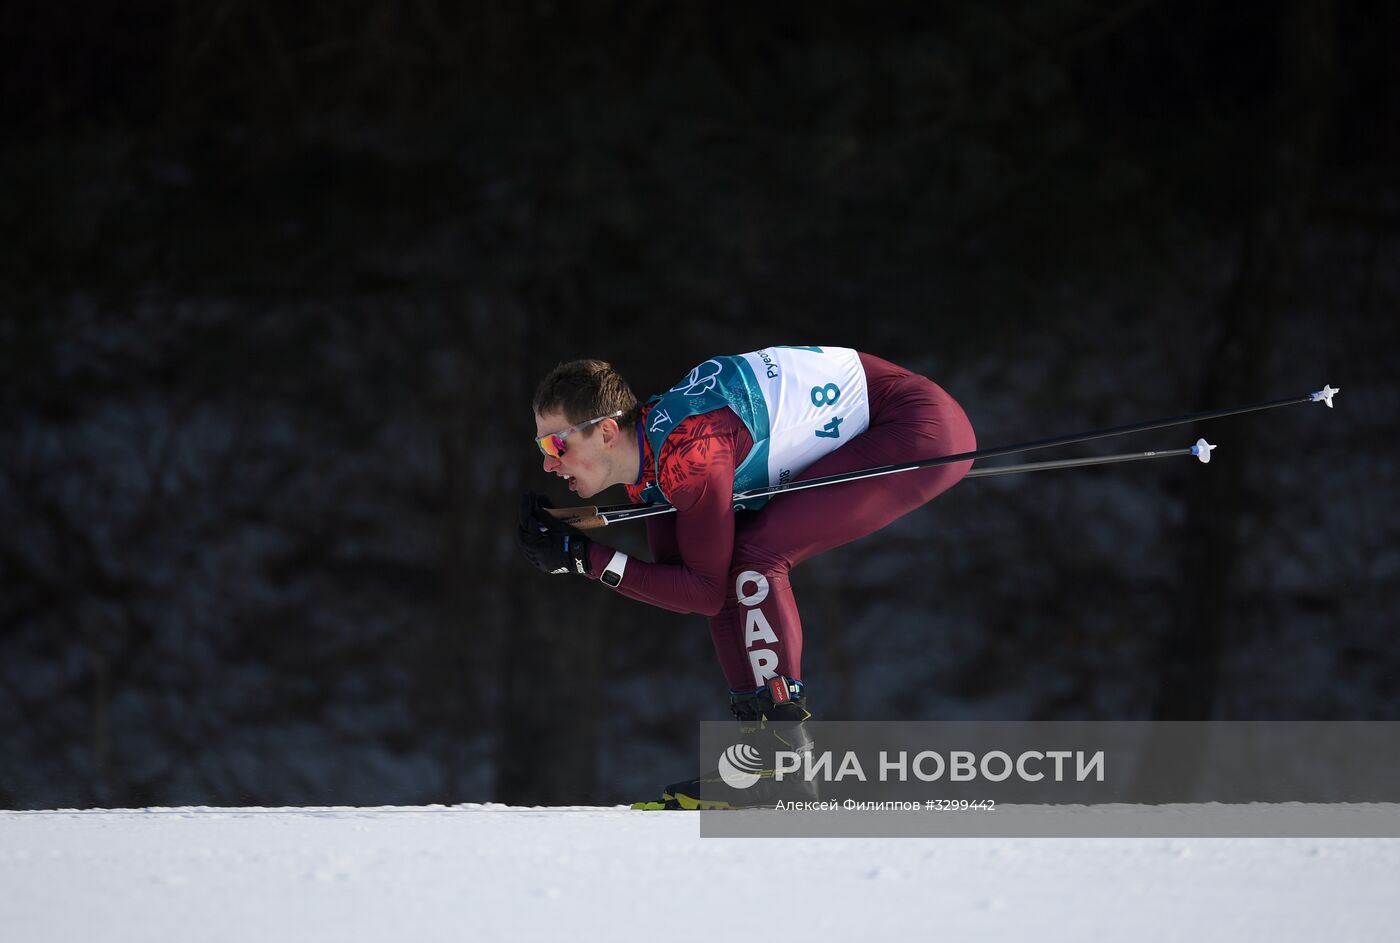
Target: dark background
(278, 281)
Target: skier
(753, 420)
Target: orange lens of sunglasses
(551, 445)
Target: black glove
(550, 544)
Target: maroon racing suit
(735, 568)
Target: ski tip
(1202, 450)
(1325, 395)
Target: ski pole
(587, 518)
(1201, 450)
(1323, 395)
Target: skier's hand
(550, 545)
(532, 509)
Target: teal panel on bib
(798, 404)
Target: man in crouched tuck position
(736, 423)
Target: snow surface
(496, 872)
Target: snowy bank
(496, 872)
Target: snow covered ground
(499, 873)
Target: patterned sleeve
(692, 454)
(697, 467)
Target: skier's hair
(585, 389)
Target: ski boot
(771, 719)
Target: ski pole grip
(584, 518)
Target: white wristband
(612, 573)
